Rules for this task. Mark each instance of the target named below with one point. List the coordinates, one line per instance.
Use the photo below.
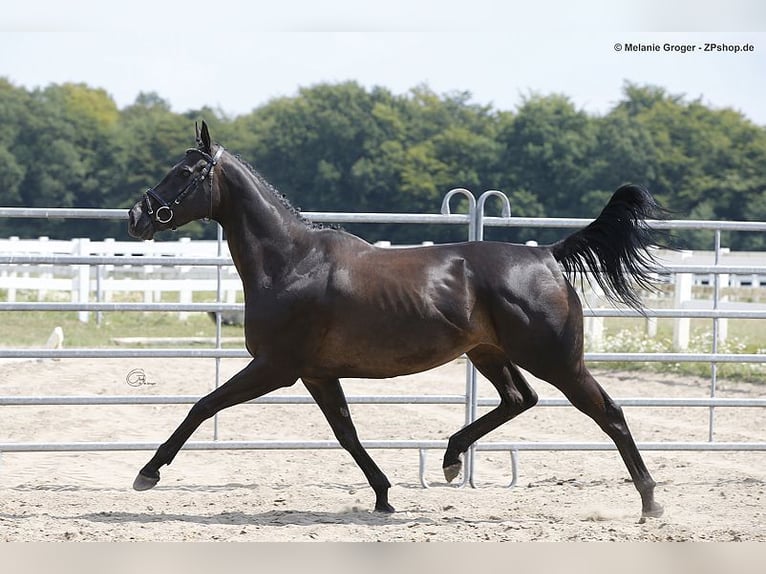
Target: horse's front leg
(258, 378)
(329, 395)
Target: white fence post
(682, 296)
(45, 276)
(723, 324)
(185, 295)
(651, 327)
(594, 326)
(81, 280)
(12, 290)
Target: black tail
(614, 247)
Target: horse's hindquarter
(535, 313)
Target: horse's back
(461, 281)
(465, 272)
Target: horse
(322, 304)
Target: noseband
(164, 213)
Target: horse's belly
(389, 348)
(380, 367)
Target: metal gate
(475, 221)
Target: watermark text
(684, 48)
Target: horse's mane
(280, 197)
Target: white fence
(88, 256)
(101, 283)
(105, 283)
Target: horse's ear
(196, 135)
(204, 138)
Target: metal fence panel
(476, 222)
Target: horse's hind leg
(588, 396)
(516, 396)
(328, 394)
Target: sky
(237, 55)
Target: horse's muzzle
(140, 223)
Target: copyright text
(681, 48)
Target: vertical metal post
(506, 209)
(445, 210)
(470, 370)
(714, 366)
(219, 299)
(471, 376)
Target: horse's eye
(184, 172)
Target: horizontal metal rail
(338, 217)
(678, 357)
(172, 260)
(421, 445)
(101, 400)
(127, 353)
(318, 217)
(221, 307)
(62, 213)
(714, 269)
(672, 313)
(666, 446)
(31, 259)
(191, 399)
(565, 222)
(156, 307)
(373, 444)
(212, 353)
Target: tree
(13, 109)
(702, 163)
(65, 144)
(342, 147)
(548, 148)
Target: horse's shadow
(274, 518)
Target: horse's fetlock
(516, 402)
(530, 399)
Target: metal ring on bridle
(158, 214)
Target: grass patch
(32, 328)
(629, 336)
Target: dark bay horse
(321, 305)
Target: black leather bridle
(164, 213)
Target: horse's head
(183, 195)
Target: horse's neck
(264, 236)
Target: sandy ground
(322, 496)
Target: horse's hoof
(655, 511)
(451, 471)
(384, 507)
(144, 482)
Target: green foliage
(634, 341)
(343, 147)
